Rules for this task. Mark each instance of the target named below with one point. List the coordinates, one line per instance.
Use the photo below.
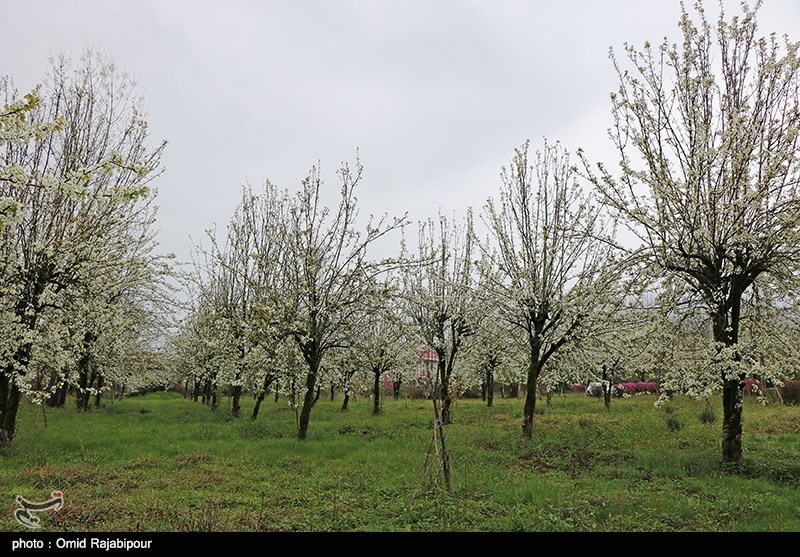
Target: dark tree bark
(726, 331)
(347, 377)
(55, 400)
(487, 391)
(8, 410)
(100, 382)
(607, 385)
(439, 425)
(530, 401)
(332, 391)
(444, 389)
(261, 394)
(376, 391)
(396, 383)
(236, 406)
(308, 403)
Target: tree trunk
(62, 395)
(732, 392)
(346, 399)
(8, 424)
(444, 391)
(490, 388)
(530, 396)
(5, 440)
(87, 396)
(236, 407)
(261, 394)
(332, 391)
(445, 458)
(396, 388)
(376, 392)
(308, 403)
(277, 391)
(732, 387)
(52, 400)
(83, 379)
(100, 382)
(606, 389)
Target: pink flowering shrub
(578, 388)
(754, 387)
(635, 388)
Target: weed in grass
(707, 416)
(673, 423)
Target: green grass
(160, 462)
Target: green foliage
(159, 462)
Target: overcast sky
(436, 94)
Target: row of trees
(707, 135)
(293, 300)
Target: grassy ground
(159, 462)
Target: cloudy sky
(436, 94)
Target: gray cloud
(436, 94)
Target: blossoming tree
(552, 265)
(70, 192)
(707, 134)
